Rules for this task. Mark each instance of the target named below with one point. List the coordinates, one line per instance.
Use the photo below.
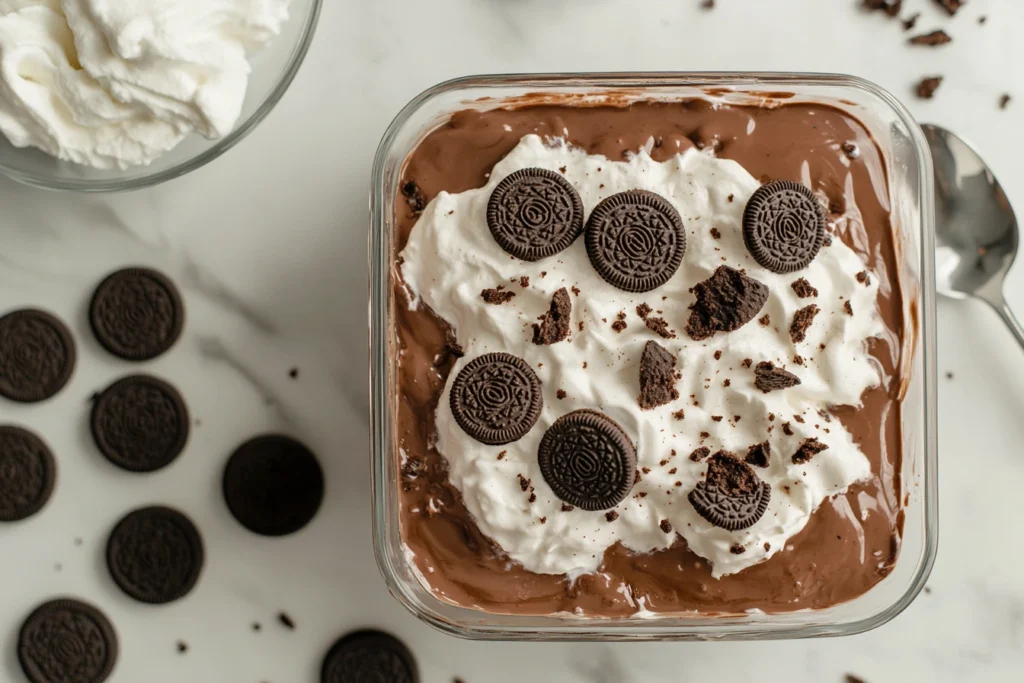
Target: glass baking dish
(909, 168)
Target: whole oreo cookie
(635, 240)
(67, 641)
(732, 496)
(140, 423)
(155, 555)
(37, 355)
(136, 314)
(534, 213)
(273, 485)
(496, 398)
(28, 473)
(783, 226)
(366, 656)
(588, 460)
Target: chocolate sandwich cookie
(588, 460)
(140, 423)
(731, 496)
(37, 355)
(535, 213)
(67, 641)
(28, 473)
(273, 485)
(496, 398)
(635, 240)
(137, 314)
(369, 656)
(155, 555)
(783, 226)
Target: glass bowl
(909, 169)
(273, 69)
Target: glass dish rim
(381, 445)
(239, 133)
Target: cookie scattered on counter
(37, 355)
(155, 555)
(28, 473)
(67, 641)
(137, 314)
(273, 485)
(369, 656)
(140, 423)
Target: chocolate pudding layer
(849, 543)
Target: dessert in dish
(650, 359)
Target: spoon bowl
(976, 232)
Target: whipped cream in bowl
(108, 95)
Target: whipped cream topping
(116, 83)
(451, 257)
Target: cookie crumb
(679, 415)
(554, 325)
(567, 508)
(524, 281)
(414, 197)
(765, 320)
(1004, 100)
(747, 362)
(643, 310)
(890, 7)
(910, 22)
(718, 354)
(560, 394)
(848, 307)
(863, 278)
(286, 621)
(611, 516)
(666, 526)
(660, 327)
(737, 549)
(716, 234)
(931, 39)
(804, 289)
(700, 453)
(808, 449)
(927, 86)
(951, 6)
(787, 429)
(496, 296)
(802, 320)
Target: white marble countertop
(268, 244)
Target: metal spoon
(976, 232)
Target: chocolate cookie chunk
(140, 423)
(37, 355)
(731, 495)
(635, 240)
(657, 377)
(496, 398)
(534, 213)
(759, 455)
(554, 325)
(802, 320)
(807, 450)
(273, 485)
(367, 656)
(67, 641)
(155, 555)
(726, 301)
(136, 314)
(783, 226)
(767, 377)
(27, 473)
(587, 460)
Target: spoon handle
(1009, 318)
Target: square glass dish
(909, 169)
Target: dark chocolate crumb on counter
(804, 289)
(808, 449)
(554, 325)
(951, 6)
(910, 22)
(890, 7)
(982, 19)
(850, 678)
(611, 516)
(927, 86)
(848, 307)
(949, 375)
(182, 647)
(286, 621)
(1004, 100)
(497, 295)
(294, 373)
(802, 320)
(700, 453)
(707, 4)
(931, 39)
(413, 195)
